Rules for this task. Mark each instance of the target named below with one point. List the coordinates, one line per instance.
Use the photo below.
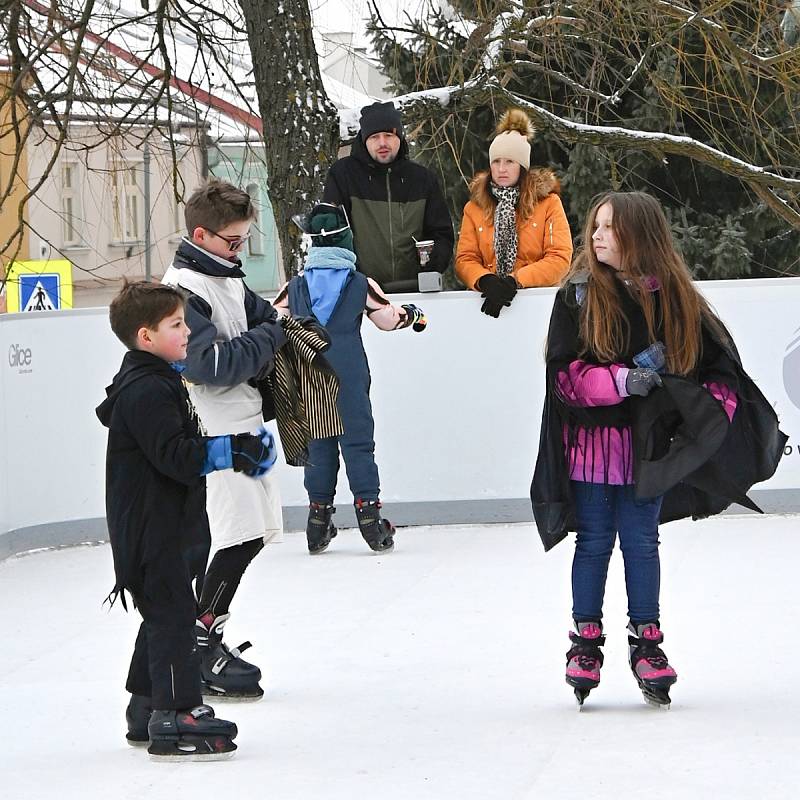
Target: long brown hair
(529, 193)
(647, 251)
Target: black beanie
(380, 117)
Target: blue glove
(252, 454)
(255, 455)
(218, 454)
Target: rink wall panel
(457, 409)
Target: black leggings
(223, 575)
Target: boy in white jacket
(234, 337)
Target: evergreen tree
(713, 80)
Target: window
(255, 244)
(127, 202)
(70, 204)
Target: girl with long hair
(649, 417)
(514, 233)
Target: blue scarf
(326, 271)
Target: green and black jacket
(389, 206)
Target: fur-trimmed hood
(544, 180)
(544, 246)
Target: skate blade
(657, 702)
(218, 696)
(192, 748)
(137, 742)
(180, 758)
(580, 696)
(382, 551)
(656, 698)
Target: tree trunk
(301, 128)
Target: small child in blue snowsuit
(332, 291)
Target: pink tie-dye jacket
(605, 455)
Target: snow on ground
(433, 672)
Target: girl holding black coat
(649, 417)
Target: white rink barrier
(457, 407)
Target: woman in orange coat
(514, 233)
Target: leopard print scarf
(505, 227)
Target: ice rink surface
(433, 672)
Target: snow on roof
(211, 82)
(122, 70)
(343, 96)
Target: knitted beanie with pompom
(512, 140)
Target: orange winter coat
(544, 245)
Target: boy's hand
(255, 455)
(312, 324)
(415, 317)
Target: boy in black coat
(156, 464)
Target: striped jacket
(304, 391)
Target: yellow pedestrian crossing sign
(39, 285)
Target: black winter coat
(683, 445)
(155, 494)
(388, 206)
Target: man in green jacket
(392, 203)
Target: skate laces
(585, 661)
(654, 656)
(585, 650)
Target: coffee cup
(424, 249)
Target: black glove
(498, 287)
(498, 290)
(253, 455)
(321, 364)
(313, 324)
(415, 317)
(492, 308)
(642, 381)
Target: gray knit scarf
(505, 227)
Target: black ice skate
(320, 528)
(378, 533)
(137, 715)
(191, 735)
(585, 658)
(649, 665)
(226, 676)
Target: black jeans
(165, 665)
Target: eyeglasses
(234, 242)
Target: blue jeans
(601, 512)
